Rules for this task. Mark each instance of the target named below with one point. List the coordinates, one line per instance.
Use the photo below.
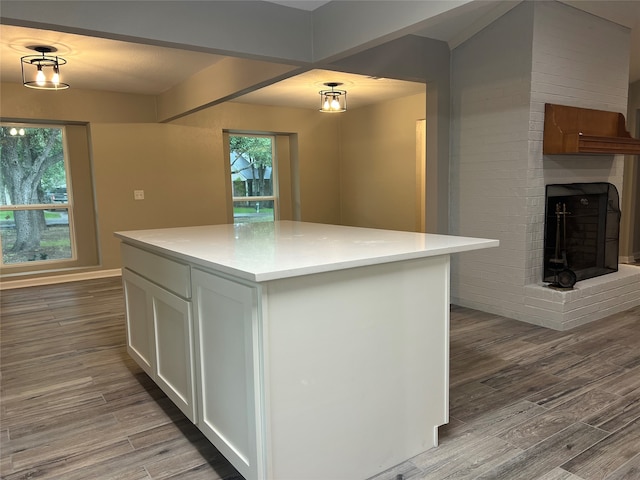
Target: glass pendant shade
(333, 100)
(42, 71)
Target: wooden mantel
(574, 130)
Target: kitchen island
(302, 351)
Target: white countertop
(269, 251)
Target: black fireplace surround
(582, 227)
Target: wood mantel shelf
(574, 131)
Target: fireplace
(582, 223)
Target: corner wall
(425, 60)
(378, 164)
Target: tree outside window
(253, 178)
(34, 195)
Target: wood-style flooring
(526, 402)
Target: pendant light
(42, 71)
(333, 100)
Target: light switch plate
(138, 194)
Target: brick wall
(501, 78)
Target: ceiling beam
(249, 29)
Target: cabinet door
(226, 328)
(140, 336)
(174, 348)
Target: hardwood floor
(526, 402)
(75, 406)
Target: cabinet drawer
(169, 274)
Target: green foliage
(54, 176)
(32, 161)
(239, 189)
(8, 215)
(251, 157)
(257, 150)
(266, 210)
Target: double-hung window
(36, 214)
(253, 178)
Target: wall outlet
(138, 194)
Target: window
(36, 215)
(253, 178)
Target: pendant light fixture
(42, 71)
(333, 100)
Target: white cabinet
(315, 376)
(215, 348)
(333, 375)
(174, 352)
(227, 369)
(160, 330)
(140, 336)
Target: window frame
(274, 174)
(68, 205)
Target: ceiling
(117, 66)
(111, 65)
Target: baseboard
(627, 260)
(53, 279)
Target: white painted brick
(539, 52)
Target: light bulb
(335, 104)
(21, 132)
(40, 78)
(325, 105)
(56, 73)
(13, 131)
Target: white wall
(539, 52)
(378, 164)
(491, 75)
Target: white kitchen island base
(333, 372)
(352, 378)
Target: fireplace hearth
(582, 225)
